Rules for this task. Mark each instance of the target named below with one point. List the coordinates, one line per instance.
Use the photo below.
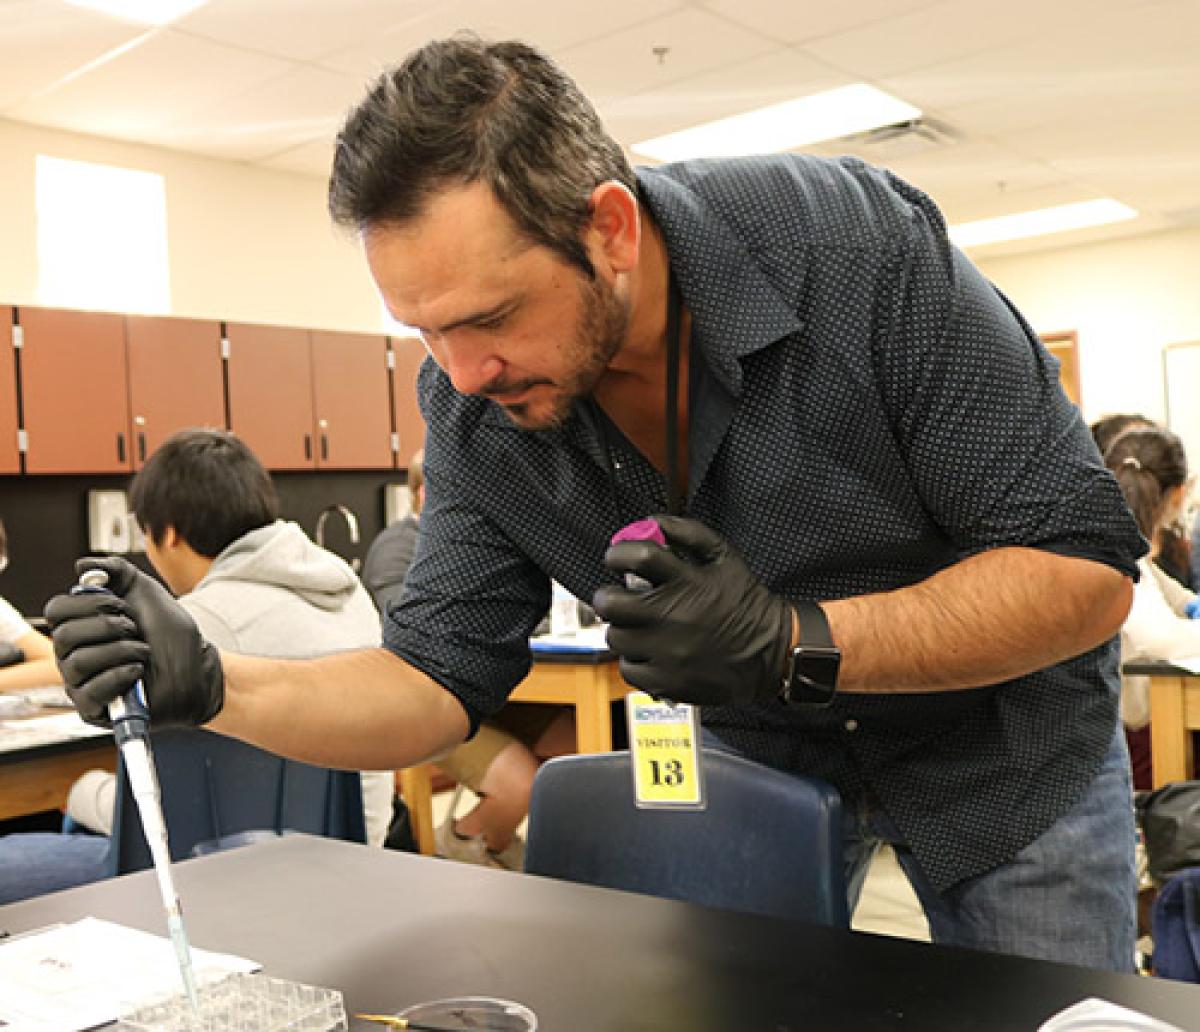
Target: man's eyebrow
(474, 319)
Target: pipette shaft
(131, 727)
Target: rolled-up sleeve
(470, 601)
(998, 453)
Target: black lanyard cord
(674, 501)
(599, 420)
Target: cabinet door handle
(308, 446)
(324, 446)
(120, 447)
(141, 446)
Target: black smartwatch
(811, 675)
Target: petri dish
(485, 1013)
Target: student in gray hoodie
(254, 583)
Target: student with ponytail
(1151, 468)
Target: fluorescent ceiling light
(144, 12)
(1041, 221)
(794, 123)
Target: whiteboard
(1181, 386)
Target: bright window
(102, 237)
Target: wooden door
(175, 378)
(409, 353)
(351, 402)
(10, 455)
(270, 394)
(74, 390)
(1065, 347)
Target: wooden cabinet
(74, 390)
(305, 400)
(100, 391)
(270, 393)
(353, 427)
(10, 455)
(408, 354)
(176, 379)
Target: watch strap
(812, 671)
(814, 627)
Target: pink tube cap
(640, 530)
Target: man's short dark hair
(207, 485)
(461, 110)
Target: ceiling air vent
(903, 139)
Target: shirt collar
(736, 309)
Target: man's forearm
(365, 709)
(989, 618)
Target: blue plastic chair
(766, 842)
(218, 793)
(1175, 927)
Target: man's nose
(471, 370)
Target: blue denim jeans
(33, 863)
(1068, 896)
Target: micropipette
(131, 728)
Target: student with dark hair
(1151, 468)
(895, 560)
(252, 583)
(1174, 553)
(1107, 429)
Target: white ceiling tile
(550, 27)
(794, 21)
(771, 78)
(149, 86)
(956, 29)
(1157, 144)
(1055, 98)
(303, 30)
(1066, 68)
(303, 104)
(44, 42)
(691, 42)
(980, 179)
(310, 159)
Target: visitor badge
(664, 744)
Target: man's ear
(170, 537)
(614, 229)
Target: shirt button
(851, 725)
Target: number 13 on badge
(665, 749)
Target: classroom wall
(245, 244)
(251, 245)
(1127, 299)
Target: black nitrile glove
(105, 641)
(707, 631)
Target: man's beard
(599, 333)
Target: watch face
(814, 676)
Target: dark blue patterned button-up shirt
(866, 410)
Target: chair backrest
(766, 842)
(1175, 927)
(218, 792)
